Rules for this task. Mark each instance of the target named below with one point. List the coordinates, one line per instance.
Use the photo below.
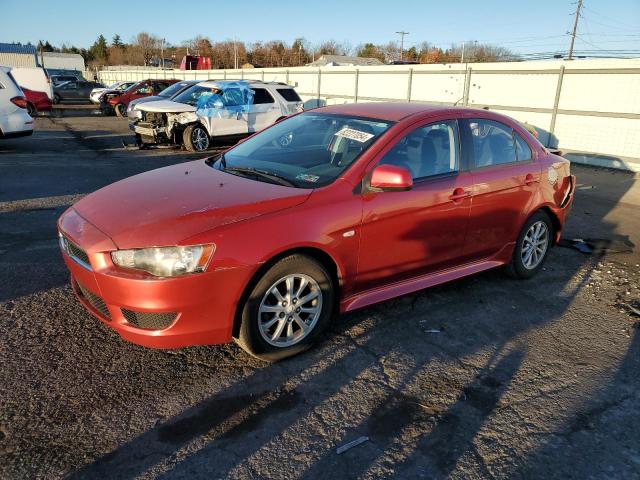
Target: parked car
(33, 78)
(327, 211)
(167, 94)
(75, 91)
(14, 119)
(118, 102)
(58, 79)
(182, 120)
(97, 94)
(37, 102)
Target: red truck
(118, 101)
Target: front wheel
(196, 138)
(32, 110)
(287, 310)
(121, 110)
(532, 247)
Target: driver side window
(427, 151)
(143, 90)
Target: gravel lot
(524, 379)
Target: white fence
(586, 106)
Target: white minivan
(33, 78)
(14, 119)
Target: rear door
(264, 111)
(506, 177)
(423, 230)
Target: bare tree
(147, 46)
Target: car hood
(153, 98)
(167, 106)
(169, 205)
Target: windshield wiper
(274, 177)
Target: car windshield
(171, 90)
(309, 150)
(191, 95)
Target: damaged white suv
(221, 109)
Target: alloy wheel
(200, 139)
(534, 245)
(290, 310)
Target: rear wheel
(121, 110)
(532, 246)
(32, 110)
(56, 99)
(196, 138)
(287, 310)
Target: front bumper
(196, 309)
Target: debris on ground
(598, 245)
(351, 444)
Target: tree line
(147, 49)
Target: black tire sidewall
(32, 110)
(121, 110)
(187, 138)
(249, 336)
(517, 268)
(56, 99)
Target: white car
(97, 94)
(14, 119)
(234, 109)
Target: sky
(523, 27)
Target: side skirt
(386, 292)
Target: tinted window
(289, 94)
(260, 95)
(427, 151)
(493, 143)
(523, 152)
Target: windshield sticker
(353, 134)
(308, 178)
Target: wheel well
(554, 220)
(319, 255)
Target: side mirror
(391, 178)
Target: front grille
(75, 252)
(149, 321)
(95, 301)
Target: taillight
(19, 101)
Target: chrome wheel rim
(200, 139)
(289, 310)
(535, 244)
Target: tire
(32, 110)
(121, 110)
(264, 313)
(56, 99)
(196, 138)
(524, 265)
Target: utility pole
(402, 34)
(575, 28)
(162, 52)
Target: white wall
(597, 109)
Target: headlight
(165, 261)
(137, 113)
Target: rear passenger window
(260, 96)
(427, 151)
(493, 143)
(523, 152)
(289, 94)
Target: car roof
(253, 83)
(393, 111)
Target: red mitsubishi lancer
(324, 212)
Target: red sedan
(37, 101)
(327, 211)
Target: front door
(506, 178)
(423, 230)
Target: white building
(18, 55)
(63, 61)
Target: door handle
(459, 194)
(530, 179)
